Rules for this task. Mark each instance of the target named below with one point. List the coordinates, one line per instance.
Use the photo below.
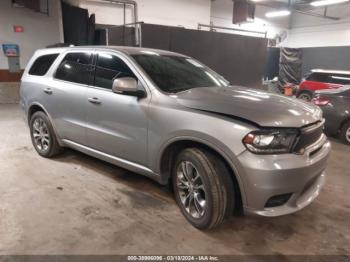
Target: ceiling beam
(317, 15)
(293, 9)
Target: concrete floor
(9, 93)
(75, 204)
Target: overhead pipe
(317, 15)
(135, 16)
(126, 2)
(211, 27)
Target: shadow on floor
(141, 183)
(120, 175)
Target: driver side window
(108, 68)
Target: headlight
(271, 141)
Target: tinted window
(42, 64)
(108, 68)
(347, 93)
(340, 79)
(175, 73)
(75, 67)
(319, 77)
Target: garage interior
(78, 205)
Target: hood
(264, 109)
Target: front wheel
(203, 188)
(306, 96)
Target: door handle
(94, 100)
(48, 91)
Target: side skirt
(137, 168)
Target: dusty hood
(262, 108)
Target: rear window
(42, 64)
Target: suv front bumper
(268, 176)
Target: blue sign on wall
(10, 50)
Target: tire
(345, 133)
(43, 137)
(212, 184)
(305, 95)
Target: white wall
(186, 13)
(40, 30)
(222, 14)
(310, 31)
(301, 30)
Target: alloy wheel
(305, 97)
(347, 134)
(41, 135)
(191, 189)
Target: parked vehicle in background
(322, 79)
(335, 105)
(223, 148)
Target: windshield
(175, 73)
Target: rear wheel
(305, 95)
(43, 136)
(345, 133)
(203, 188)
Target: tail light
(321, 101)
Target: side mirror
(127, 86)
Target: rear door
(68, 95)
(117, 124)
(34, 82)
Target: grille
(309, 135)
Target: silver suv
(223, 148)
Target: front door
(116, 123)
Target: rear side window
(319, 77)
(76, 68)
(42, 64)
(340, 79)
(108, 68)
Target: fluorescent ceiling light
(278, 13)
(327, 2)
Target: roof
(124, 49)
(343, 72)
